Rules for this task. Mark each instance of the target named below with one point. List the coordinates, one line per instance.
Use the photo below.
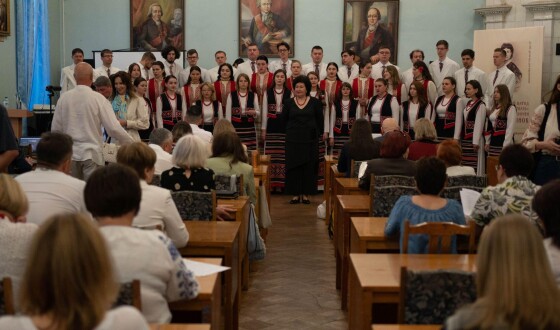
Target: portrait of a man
(158, 24)
(368, 25)
(266, 23)
(4, 18)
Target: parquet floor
(294, 286)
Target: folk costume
(449, 117)
(236, 111)
(472, 131)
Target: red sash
(260, 25)
(258, 91)
(222, 95)
(323, 86)
(152, 93)
(356, 90)
(190, 99)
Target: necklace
(206, 104)
(301, 104)
(241, 95)
(169, 96)
(449, 100)
(279, 92)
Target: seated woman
(180, 129)
(426, 143)
(450, 152)
(15, 234)
(55, 284)
(425, 207)
(189, 173)
(545, 204)
(157, 209)
(508, 294)
(112, 195)
(228, 157)
(360, 147)
(394, 151)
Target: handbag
(255, 243)
(110, 151)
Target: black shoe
(295, 200)
(306, 201)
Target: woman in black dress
(303, 116)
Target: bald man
(388, 125)
(80, 113)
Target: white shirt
(449, 68)
(203, 134)
(310, 67)
(407, 79)
(177, 67)
(505, 77)
(375, 104)
(80, 113)
(67, 80)
(156, 263)
(51, 192)
(246, 68)
(158, 209)
(102, 71)
(343, 73)
(377, 69)
(164, 160)
(277, 65)
(474, 74)
(122, 318)
(146, 73)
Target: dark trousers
(547, 169)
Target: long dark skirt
(274, 146)
(301, 168)
(469, 156)
(246, 132)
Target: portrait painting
(369, 25)
(266, 23)
(156, 24)
(4, 18)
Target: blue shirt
(404, 209)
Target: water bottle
(6, 102)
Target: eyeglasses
(282, 50)
(107, 55)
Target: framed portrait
(369, 25)
(157, 24)
(266, 23)
(4, 18)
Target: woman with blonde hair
(157, 209)
(189, 156)
(15, 234)
(426, 143)
(509, 295)
(70, 288)
(211, 108)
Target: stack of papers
(203, 269)
(468, 199)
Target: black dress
(303, 130)
(201, 179)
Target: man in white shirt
(171, 62)
(145, 64)
(103, 86)
(194, 118)
(80, 113)
(415, 56)
(107, 68)
(67, 81)
(284, 63)
(220, 57)
(192, 58)
(501, 76)
(161, 141)
(50, 189)
(349, 69)
(250, 66)
(443, 67)
(378, 68)
(467, 73)
(316, 64)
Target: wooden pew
(368, 236)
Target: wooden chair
(6, 297)
(429, 297)
(355, 167)
(456, 183)
(385, 190)
(195, 205)
(491, 163)
(129, 295)
(440, 235)
(224, 183)
(156, 180)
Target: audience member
(388, 125)
(425, 207)
(80, 113)
(113, 196)
(189, 172)
(69, 281)
(514, 192)
(180, 129)
(450, 152)
(50, 189)
(508, 294)
(8, 142)
(545, 204)
(393, 161)
(157, 208)
(426, 143)
(161, 141)
(228, 157)
(194, 118)
(360, 147)
(15, 234)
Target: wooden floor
(294, 286)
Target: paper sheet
(468, 199)
(203, 269)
